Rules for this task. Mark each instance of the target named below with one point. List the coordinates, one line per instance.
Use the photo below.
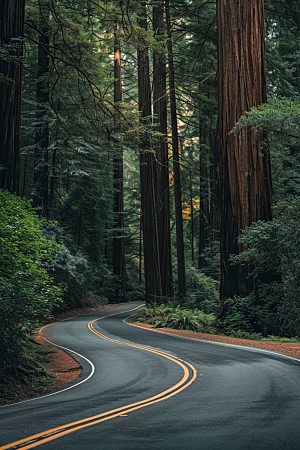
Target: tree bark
(176, 165)
(205, 200)
(153, 284)
(118, 236)
(162, 166)
(11, 35)
(192, 216)
(244, 166)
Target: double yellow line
(189, 375)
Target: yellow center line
(60, 431)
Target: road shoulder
(287, 348)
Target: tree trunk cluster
(154, 172)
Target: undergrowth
(179, 318)
(241, 334)
(29, 371)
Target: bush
(27, 291)
(210, 260)
(68, 268)
(168, 316)
(202, 291)
(245, 315)
(272, 248)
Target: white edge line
(61, 390)
(238, 346)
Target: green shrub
(202, 291)
(69, 268)
(27, 291)
(272, 248)
(240, 334)
(244, 315)
(210, 260)
(71, 271)
(169, 316)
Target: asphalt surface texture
(145, 390)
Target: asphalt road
(145, 390)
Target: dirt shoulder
(288, 348)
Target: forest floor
(66, 368)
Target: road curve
(145, 390)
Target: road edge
(208, 341)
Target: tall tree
(153, 282)
(41, 196)
(118, 237)
(244, 166)
(162, 166)
(11, 42)
(176, 164)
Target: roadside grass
(241, 334)
(282, 340)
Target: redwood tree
(118, 237)
(244, 165)
(11, 47)
(162, 166)
(153, 280)
(176, 164)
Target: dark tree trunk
(11, 35)
(24, 177)
(52, 180)
(208, 217)
(192, 217)
(118, 236)
(244, 167)
(41, 164)
(140, 249)
(162, 166)
(204, 216)
(153, 284)
(176, 165)
(54, 166)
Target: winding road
(145, 390)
